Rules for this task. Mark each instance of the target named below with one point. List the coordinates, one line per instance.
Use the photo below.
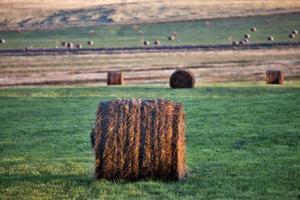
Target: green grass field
(242, 143)
(214, 31)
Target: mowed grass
(242, 143)
(205, 32)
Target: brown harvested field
(30, 14)
(210, 66)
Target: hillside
(44, 14)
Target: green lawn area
(213, 31)
(242, 143)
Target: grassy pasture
(242, 142)
(212, 31)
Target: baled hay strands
(247, 36)
(253, 29)
(270, 38)
(295, 32)
(138, 139)
(182, 79)
(115, 78)
(291, 35)
(274, 77)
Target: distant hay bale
(79, 46)
(270, 38)
(70, 45)
(115, 78)
(291, 35)
(90, 43)
(247, 36)
(63, 44)
(2, 41)
(241, 42)
(246, 41)
(295, 32)
(137, 139)
(235, 43)
(146, 43)
(274, 77)
(171, 37)
(157, 42)
(253, 29)
(182, 78)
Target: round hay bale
(115, 78)
(247, 36)
(138, 139)
(182, 78)
(295, 32)
(246, 41)
(274, 77)
(146, 43)
(241, 42)
(70, 45)
(79, 46)
(235, 43)
(2, 41)
(90, 43)
(171, 37)
(270, 38)
(291, 35)
(253, 29)
(63, 44)
(157, 42)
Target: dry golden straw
(138, 139)
(115, 78)
(182, 78)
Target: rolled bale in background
(115, 78)
(182, 78)
(138, 139)
(274, 77)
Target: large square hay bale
(137, 139)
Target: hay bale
(253, 29)
(235, 43)
(146, 43)
(182, 78)
(291, 35)
(247, 36)
(63, 44)
(246, 41)
(2, 41)
(241, 42)
(171, 37)
(157, 42)
(270, 38)
(90, 43)
(70, 45)
(295, 32)
(274, 77)
(79, 46)
(139, 139)
(115, 78)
